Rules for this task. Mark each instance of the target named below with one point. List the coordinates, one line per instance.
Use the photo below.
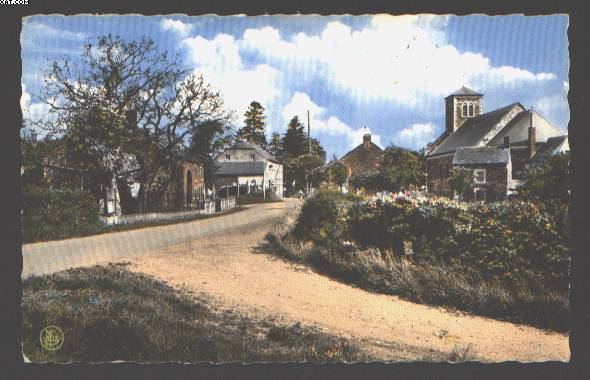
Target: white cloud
(32, 31)
(219, 61)
(398, 58)
(300, 103)
(553, 108)
(418, 135)
(176, 26)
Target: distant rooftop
(246, 145)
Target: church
(494, 145)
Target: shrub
(56, 214)
(461, 183)
(318, 220)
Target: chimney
(507, 142)
(532, 136)
(367, 140)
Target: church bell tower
(460, 106)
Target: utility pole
(308, 133)
(307, 185)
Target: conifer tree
(295, 139)
(275, 147)
(254, 120)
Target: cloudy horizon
(387, 75)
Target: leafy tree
(295, 139)
(317, 149)
(304, 169)
(401, 169)
(126, 106)
(275, 147)
(207, 140)
(461, 182)
(547, 181)
(338, 173)
(254, 120)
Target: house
(249, 168)
(364, 159)
(496, 146)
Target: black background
(11, 364)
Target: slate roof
(246, 145)
(473, 130)
(481, 155)
(463, 91)
(551, 144)
(517, 129)
(240, 168)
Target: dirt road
(230, 270)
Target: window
(471, 110)
(252, 157)
(465, 110)
(479, 176)
(227, 157)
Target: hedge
(50, 214)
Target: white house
(251, 167)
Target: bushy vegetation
(461, 183)
(57, 214)
(109, 313)
(400, 169)
(507, 260)
(253, 198)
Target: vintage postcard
(295, 188)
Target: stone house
(246, 167)
(471, 136)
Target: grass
(438, 285)
(108, 313)
(105, 229)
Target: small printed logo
(51, 338)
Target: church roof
(463, 91)
(481, 155)
(517, 129)
(473, 130)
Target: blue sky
(389, 74)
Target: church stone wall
(438, 171)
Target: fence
(208, 207)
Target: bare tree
(126, 106)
